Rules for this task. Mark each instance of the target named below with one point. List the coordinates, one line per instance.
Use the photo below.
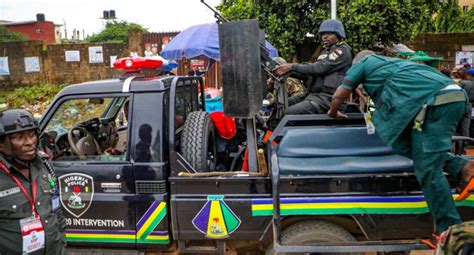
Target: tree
(115, 31)
(449, 18)
(6, 35)
(367, 21)
(286, 22)
(387, 22)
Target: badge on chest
(32, 231)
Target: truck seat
(337, 150)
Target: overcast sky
(157, 15)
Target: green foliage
(286, 22)
(115, 31)
(7, 35)
(35, 98)
(463, 23)
(388, 22)
(449, 18)
(367, 22)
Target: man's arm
(338, 99)
(336, 60)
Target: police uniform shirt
(14, 206)
(398, 87)
(329, 69)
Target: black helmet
(332, 26)
(16, 120)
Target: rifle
(266, 62)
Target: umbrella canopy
(199, 40)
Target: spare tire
(309, 232)
(198, 142)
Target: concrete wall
(443, 45)
(53, 66)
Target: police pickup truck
(118, 147)
(135, 160)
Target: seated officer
(24, 178)
(325, 74)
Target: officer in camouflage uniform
(325, 74)
(294, 87)
(28, 194)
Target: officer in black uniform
(325, 74)
(31, 221)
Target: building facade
(39, 30)
(466, 5)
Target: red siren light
(134, 63)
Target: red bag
(225, 126)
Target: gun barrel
(217, 15)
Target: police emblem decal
(216, 219)
(76, 192)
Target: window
(465, 8)
(186, 100)
(88, 129)
(38, 30)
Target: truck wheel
(310, 232)
(198, 141)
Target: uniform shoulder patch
(322, 56)
(339, 52)
(333, 56)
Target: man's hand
(283, 69)
(336, 114)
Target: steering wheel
(82, 142)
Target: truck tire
(198, 141)
(312, 231)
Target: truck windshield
(77, 111)
(90, 129)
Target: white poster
(4, 70)
(96, 55)
(463, 57)
(73, 56)
(32, 64)
(112, 60)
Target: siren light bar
(137, 63)
(134, 63)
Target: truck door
(150, 169)
(96, 180)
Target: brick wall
(53, 67)
(442, 45)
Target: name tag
(32, 231)
(55, 203)
(8, 192)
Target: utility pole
(65, 29)
(333, 9)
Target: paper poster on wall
(32, 64)
(112, 60)
(4, 70)
(463, 57)
(96, 55)
(73, 56)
